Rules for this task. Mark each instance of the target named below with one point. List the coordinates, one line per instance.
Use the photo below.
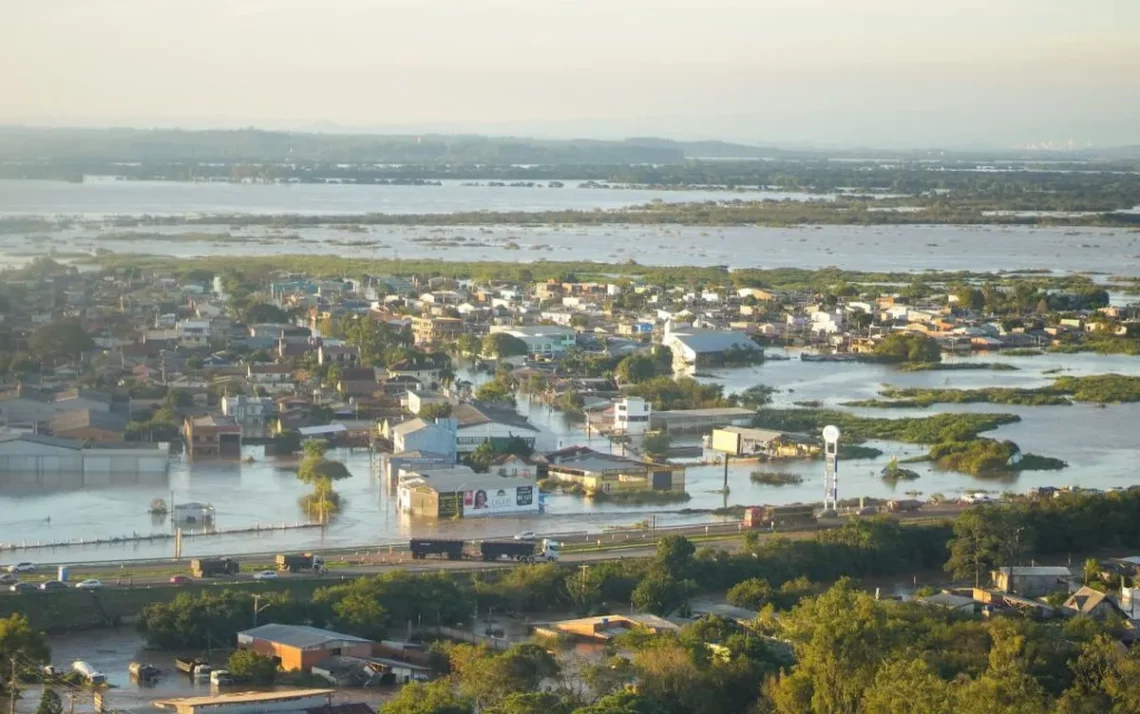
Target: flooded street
(1099, 444)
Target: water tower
(831, 467)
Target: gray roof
(474, 413)
(704, 341)
(44, 440)
(410, 426)
(81, 418)
(599, 463)
(300, 636)
(766, 435)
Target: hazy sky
(838, 72)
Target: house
(477, 422)
(695, 348)
(193, 334)
(270, 377)
(299, 647)
(252, 413)
(606, 627)
(741, 441)
(27, 406)
(417, 400)
(328, 353)
(89, 425)
(436, 330)
(1092, 603)
(596, 472)
(631, 415)
(212, 435)
(194, 514)
(309, 701)
(1032, 581)
(425, 372)
(433, 437)
(514, 466)
(544, 340)
(357, 382)
(950, 601)
(676, 420)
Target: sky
(879, 73)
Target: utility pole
(257, 606)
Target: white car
(89, 584)
(265, 575)
(525, 535)
(22, 568)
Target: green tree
(977, 543)
(18, 641)
(909, 347)
(636, 368)
(60, 341)
(625, 703)
(501, 345)
(532, 703)
(362, 615)
(250, 667)
(907, 686)
(661, 594)
(50, 703)
(752, 594)
(262, 312)
(435, 410)
(675, 555)
(436, 697)
(656, 445)
(495, 391)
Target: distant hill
(710, 149)
(253, 145)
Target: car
(179, 580)
(22, 568)
(8, 578)
(525, 535)
(53, 585)
(89, 584)
(23, 587)
(265, 575)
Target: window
(334, 652)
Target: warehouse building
(299, 647)
(460, 492)
(37, 455)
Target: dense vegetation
(1101, 388)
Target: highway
(578, 548)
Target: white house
(631, 415)
(547, 340)
(193, 333)
(695, 347)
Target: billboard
(490, 501)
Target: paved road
(369, 561)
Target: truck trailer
(297, 562)
(214, 567)
(527, 551)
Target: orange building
(297, 647)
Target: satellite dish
(831, 433)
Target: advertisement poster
(450, 504)
(484, 502)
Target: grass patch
(931, 429)
(1045, 396)
(1023, 352)
(776, 478)
(1036, 462)
(955, 366)
(858, 451)
(640, 497)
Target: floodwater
(873, 248)
(1099, 443)
(102, 197)
(870, 248)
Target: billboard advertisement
(450, 504)
(490, 501)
